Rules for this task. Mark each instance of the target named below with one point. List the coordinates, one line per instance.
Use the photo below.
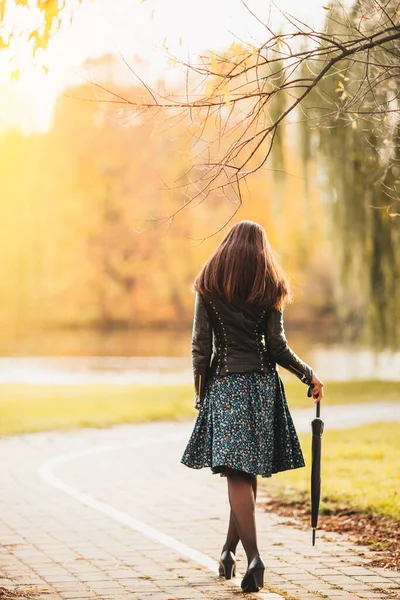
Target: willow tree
(353, 116)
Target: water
(149, 356)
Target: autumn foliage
(84, 219)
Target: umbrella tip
(313, 537)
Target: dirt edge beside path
(379, 533)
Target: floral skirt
(244, 423)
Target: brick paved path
(116, 516)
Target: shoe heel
(253, 581)
(227, 564)
(227, 570)
(258, 578)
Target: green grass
(346, 392)
(28, 408)
(360, 468)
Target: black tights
(242, 492)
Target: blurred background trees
(106, 218)
(83, 211)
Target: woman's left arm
(280, 351)
(201, 348)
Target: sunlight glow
(152, 30)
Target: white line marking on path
(47, 474)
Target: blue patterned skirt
(244, 423)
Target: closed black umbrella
(317, 428)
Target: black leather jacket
(238, 338)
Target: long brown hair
(244, 267)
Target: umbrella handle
(317, 405)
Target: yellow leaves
(49, 8)
(15, 75)
(3, 43)
(341, 90)
(227, 96)
(214, 64)
(235, 49)
(172, 61)
(41, 40)
(50, 15)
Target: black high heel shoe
(254, 578)
(227, 564)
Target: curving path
(112, 514)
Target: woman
(244, 427)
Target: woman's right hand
(317, 388)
